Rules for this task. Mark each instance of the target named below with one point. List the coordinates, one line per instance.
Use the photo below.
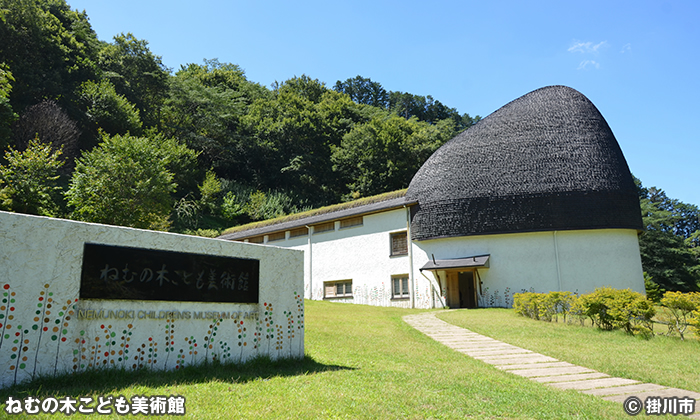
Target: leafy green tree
(668, 245)
(427, 109)
(668, 261)
(384, 154)
(7, 115)
(50, 49)
(128, 181)
(292, 133)
(28, 180)
(364, 91)
(204, 108)
(107, 110)
(424, 108)
(136, 73)
(210, 191)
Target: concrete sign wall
(77, 296)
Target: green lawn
(661, 360)
(362, 362)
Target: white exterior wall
(361, 254)
(43, 332)
(576, 261)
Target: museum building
(535, 197)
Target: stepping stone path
(539, 367)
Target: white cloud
(626, 47)
(587, 47)
(586, 64)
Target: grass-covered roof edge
(363, 205)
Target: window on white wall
(351, 222)
(334, 289)
(324, 227)
(399, 243)
(399, 286)
(302, 231)
(277, 236)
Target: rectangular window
(399, 244)
(277, 236)
(256, 240)
(324, 227)
(335, 289)
(352, 222)
(302, 231)
(399, 286)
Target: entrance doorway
(467, 290)
(461, 288)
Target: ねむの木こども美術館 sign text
(116, 272)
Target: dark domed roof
(546, 161)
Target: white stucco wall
(358, 253)
(361, 254)
(576, 260)
(45, 327)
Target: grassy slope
(662, 360)
(362, 362)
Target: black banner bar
(117, 272)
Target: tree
(28, 179)
(137, 74)
(424, 108)
(384, 154)
(669, 261)
(50, 49)
(204, 108)
(128, 181)
(107, 110)
(364, 91)
(668, 247)
(7, 115)
(427, 109)
(50, 123)
(292, 134)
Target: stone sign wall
(77, 296)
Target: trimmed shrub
(555, 303)
(680, 311)
(607, 308)
(527, 304)
(610, 308)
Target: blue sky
(637, 61)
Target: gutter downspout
(556, 257)
(410, 257)
(311, 284)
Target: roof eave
(364, 210)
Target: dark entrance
(467, 290)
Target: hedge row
(609, 308)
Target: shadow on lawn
(103, 381)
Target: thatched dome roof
(546, 161)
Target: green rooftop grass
(319, 211)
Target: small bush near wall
(544, 306)
(610, 308)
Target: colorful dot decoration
(54, 317)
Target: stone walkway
(541, 368)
